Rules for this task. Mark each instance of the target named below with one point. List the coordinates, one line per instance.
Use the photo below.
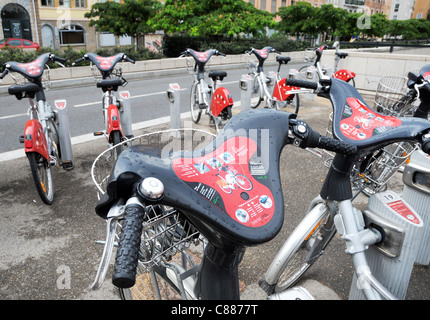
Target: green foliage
(297, 19)
(211, 18)
(174, 45)
(128, 18)
(71, 55)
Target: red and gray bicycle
(46, 136)
(116, 111)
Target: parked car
(18, 43)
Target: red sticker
(402, 209)
(32, 68)
(360, 122)
(105, 63)
(224, 179)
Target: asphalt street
(49, 252)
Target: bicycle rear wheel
(299, 252)
(41, 172)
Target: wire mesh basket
(165, 230)
(374, 171)
(310, 55)
(390, 96)
(97, 74)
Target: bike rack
(64, 134)
(125, 117)
(416, 177)
(174, 97)
(390, 261)
(245, 85)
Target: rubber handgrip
(337, 146)
(124, 274)
(301, 83)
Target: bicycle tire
(116, 140)
(292, 261)
(255, 94)
(196, 112)
(41, 173)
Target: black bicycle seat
(230, 189)
(29, 87)
(355, 122)
(109, 84)
(283, 59)
(217, 75)
(342, 55)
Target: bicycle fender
(34, 139)
(221, 99)
(113, 119)
(344, 75)
(280, 91)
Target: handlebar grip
(124, 274)
(126, 58)
(60, 59)
(337, 146)
(4, 73)
(78, 61)
(301, 83)
(221, 54)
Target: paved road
(49, 252)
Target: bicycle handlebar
(124, 273)
(305, 137)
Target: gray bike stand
(245, 85)
(416, 191)
(174, 97)
(392, 261)
(125, 115)
(64, 134)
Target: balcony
(354, 2)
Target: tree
(329, 19)
(129, 18)
(211, 18)
(298, 19)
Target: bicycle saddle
(109, 84)
(355, 122)
(29, 87)
(342, 55)
(283, 59)
(230, 189)
(217, 75)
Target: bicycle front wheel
(41, 172)
(116, 142)
(196, 112)
(300, 251)
(256, 96)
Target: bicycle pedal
(68, 165)
(21, 139)
(202, 106)
(130, 136)
(99, 133)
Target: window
(396, 7)
(72, 35)
(14, 42)
(80, 4)
(47, 3)
(273, 6)
(64, 3)
(26, 43)
(419, 15)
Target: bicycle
(165, 199)
(366, 233)
(313, 57)
(116, 111)
(282, 95)
(46, 136)
(216, 101)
